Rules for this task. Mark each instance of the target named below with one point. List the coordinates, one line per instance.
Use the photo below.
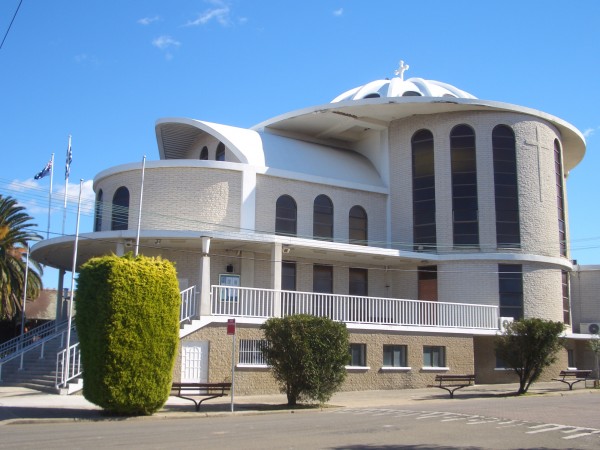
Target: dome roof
(399, 87)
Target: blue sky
(104, 71)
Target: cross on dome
(401, 69)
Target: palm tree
(15, 232)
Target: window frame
(403, 358)
(98, 211)
(250, 353)
(360, 351)
(429, 356)
(323, 218)
(120, 211)
(358, 226)
(423, 191)
(282, 219)
(510, 287)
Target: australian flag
(45, 171)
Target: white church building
(419, 215)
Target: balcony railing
(265, 303)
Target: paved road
(505, 423)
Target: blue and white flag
(69, 160)
(45, 171)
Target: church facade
(422, 217)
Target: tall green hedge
(128, 326)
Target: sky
(105, 71)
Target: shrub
(528, 346)
(128, 326)
(308, 356)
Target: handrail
(30, 337)
(75, 368)
(188, 304)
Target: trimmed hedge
(128, 325)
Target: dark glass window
(323, 279)
(288, 276)
(220, 156)
(506, 190)
(204, 153)
(510, 287)
(560, 199)
(358, 282)
(424, 226)
(120, 209)
(373, 95)
(465, 218)
(98, 217)
(358, 355)
(286, 213)
(428, 283)
(358, 226)
(394, 356)
(566, 296)
(434, 356)
(323, 218)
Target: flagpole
(70, 320)
(50, 194)
(137, 236)
(67, 170)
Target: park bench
(200, 392)
(571, 377)
(452, 383)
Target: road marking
(581, 435)
(549, 427)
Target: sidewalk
(21, 405)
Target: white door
(194, 362)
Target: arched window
(204, 153)
(220, 152)
(560, 198)
(286, 213)
(465, 211)
(358, 226)
(323, 218)
(98, 217)
(423, 184)
(506, 190)
(120, 209)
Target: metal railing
(263, 303)
(188, 304)
(74, 367)
(30, 337)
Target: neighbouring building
(421, 216)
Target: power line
(11, 22)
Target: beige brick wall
(585, 297)
(459, 357)
(269, 189)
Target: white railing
(262, 303)
(74, 368)
(30, 337)
(188, 304)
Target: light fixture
(229, 268)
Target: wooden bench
(571, 377)
(205, 391)
(452, 383)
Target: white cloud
(164, 42)
(148, 20)
(220, 14)
(33, 195)
(338, 12)
(589, 132)
(84, 58)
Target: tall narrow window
(288, 276)
(358, 282)
(358, 355)
(566, 297)
(358, 225)
(323, 279)
(323, 218)
(220, 156)
(465, 210)
(424, 227)
(98, 217)
(434, 356)
(120, 209)
(428, 283)
(510, 285)
(560, 198)
(286, 213)
(506, 190)
(204, 153)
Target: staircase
(34, 365)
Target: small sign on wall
(231, 282)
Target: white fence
(264, 303)
(188, 304)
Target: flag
(69, 160)
(45, 171)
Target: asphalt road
(551, 422)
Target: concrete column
(60, 308)
(276, 278)
(120, 250)
(205, 277)
(247, 269)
